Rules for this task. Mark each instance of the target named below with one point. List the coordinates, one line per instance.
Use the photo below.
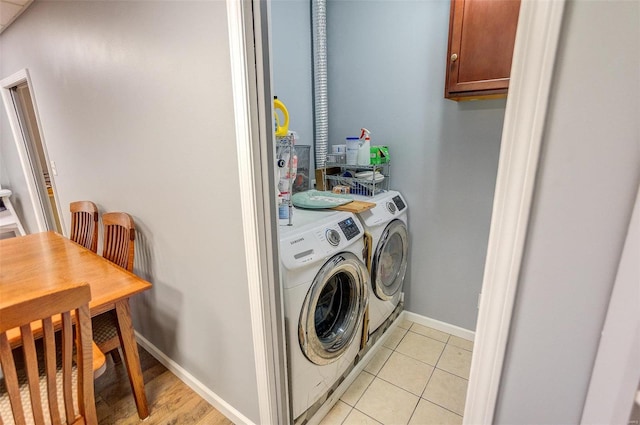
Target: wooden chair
(84, 224)
(50, 386)
(9, 220)
(119, 238)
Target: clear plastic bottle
(364, 153)
(287, 162)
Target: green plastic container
(379, 155)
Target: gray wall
(136, 109)
(588, 178)
(386, 72)
(292, 62)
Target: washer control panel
(349, 228)
(314, 241)
(399, 202)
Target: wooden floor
(170, 400)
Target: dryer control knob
(333, 237)
(391, 207)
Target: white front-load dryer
(386, 223)
(325, 292)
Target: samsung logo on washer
(295, 241)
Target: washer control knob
(391, 207)
(333, 237)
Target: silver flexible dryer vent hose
(320, 89)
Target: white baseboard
(441, 326)
(212, 398)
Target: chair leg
(115, 356)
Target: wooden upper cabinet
(481, 38)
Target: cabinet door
(481, 39)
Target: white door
(390, 261)
(333, 309)
(616, 372)
(22, 112)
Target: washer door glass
(390, 260)
(333, 309)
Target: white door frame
(251, 73)
(534, 56)
(37, 202)
(531, 75)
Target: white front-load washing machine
(386, 224)
(325, 292)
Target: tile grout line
(406, 331)
(462, 348)
(425, 388)
(420, 397)
(430, 374)
(374, 378)
(440, 356)
(400, 388)
(393, 350)
(422, 361)
(364, 391)
(368, 416)
(451, 373)
(426, 336)
(444, 370)
(445, 408)
(345, 418)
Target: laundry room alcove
(385, 64)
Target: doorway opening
(532, 70)
(38, 170)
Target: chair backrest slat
(85, 363)
(50, 368)
(119, 238)
(33, 375)
(67, 357)
(84, 224)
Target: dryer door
(390, 260)
(333, 309)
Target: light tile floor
(419, 377)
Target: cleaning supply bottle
(281, 129)
(353, 148)
(287, 163)
(283, 209)
(286, 172)
(364, 152)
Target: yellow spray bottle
(281, 129)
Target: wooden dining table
(39, 263)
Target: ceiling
(10, 10)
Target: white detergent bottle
(364, 152)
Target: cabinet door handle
(454, 57)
